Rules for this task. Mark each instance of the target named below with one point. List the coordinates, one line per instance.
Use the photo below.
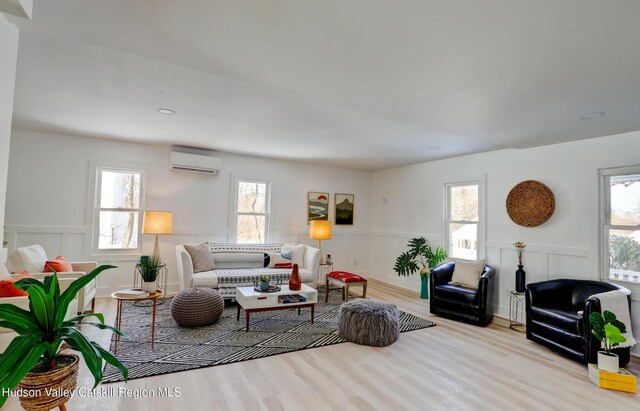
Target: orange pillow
(7, 289)
(60, 264)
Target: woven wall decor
(530, 203)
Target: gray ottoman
(197, 307)
(369, 322)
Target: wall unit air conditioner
(195, 163)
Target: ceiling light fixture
(591, 116)
(166, 111)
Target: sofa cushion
(277, 258)
(245, 248)
(31, 259)
(225, 260)
(8, 289)
(207, 279)
(200, 257)
(60, 264)
(467, 273)
(457, 293)
(295, 253)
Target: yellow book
(623, 380)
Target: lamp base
(156, 249)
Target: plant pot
(608, 362)
(424, 288)
(264, 285)
(149, 286)
(60, 383)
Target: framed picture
(344, 209)
(317, 206)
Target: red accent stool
(344, 280)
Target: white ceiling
(364, 84)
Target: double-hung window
(252, 211)
(463, 223)
(119, 202)
(621, 223)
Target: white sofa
(33, 259)
(229, 275)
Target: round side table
(120, 299)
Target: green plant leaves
(419, 248)
(405, 264)
(613, 335)
(607, 329)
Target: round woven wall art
(530, 203)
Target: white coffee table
(253, 301)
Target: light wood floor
(452, 366)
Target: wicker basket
(61, 380)
(530, 203)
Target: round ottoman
(369, 322)
(196, 307)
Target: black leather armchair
(470, 305)
(553, 319)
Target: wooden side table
(120, 299)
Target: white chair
(33, 259)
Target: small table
(120, 299)
(323, 270)
(253, 301)
(516, 311)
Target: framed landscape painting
(344, 209)
(317, 206)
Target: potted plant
(420, 257)
(149, 268)
(608, 329)
(264, 282)
(33, 359)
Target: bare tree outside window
(251, 210)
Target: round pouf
(197, 307)
(369, 322)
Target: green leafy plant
(608, 329)
(419, 257)
(265, 278)
(150, 267)
(42, 329)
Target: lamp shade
(158, 222)
(320, 230)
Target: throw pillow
(200, 257)
(297, 253)
(7, 289)
(60, 264)
(277, 259)
(31, 259)
(467, 273)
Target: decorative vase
(424, 289)
(149, 286)
(608, 362)
(520, 279)
(55, 386)
(295, 283)
(264, 285)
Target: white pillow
(277, 258)
(31, 259)
(297, 253)
(467, 273)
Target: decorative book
(623, 380)
(131, 294)
(291, 298)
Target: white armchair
(33, 259)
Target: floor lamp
(320, 230)
(157, 222)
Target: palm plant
(42, 329)
(419, 257)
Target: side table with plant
(33, 360)
(420, 257)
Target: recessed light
(433, 148)
(591, 116)
(166, 111)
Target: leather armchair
(470, 305)
(553, 317)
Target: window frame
(95, 240)
(478, 180)
(235, 213)
(605, 225)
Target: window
(119, 196)
(463, 225)
(252, 211)
(621, 224)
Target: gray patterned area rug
(271, 333)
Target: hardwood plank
(450, 366)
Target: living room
(85, 100)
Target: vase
(608, 362)
(55, 387)
(295, 283)
(424, 288)
(264, 285)
(520, 279)
(149, 286)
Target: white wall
(564, 246)
(8, 57)
(50, 195)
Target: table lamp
(320, 230)
(157, 222)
